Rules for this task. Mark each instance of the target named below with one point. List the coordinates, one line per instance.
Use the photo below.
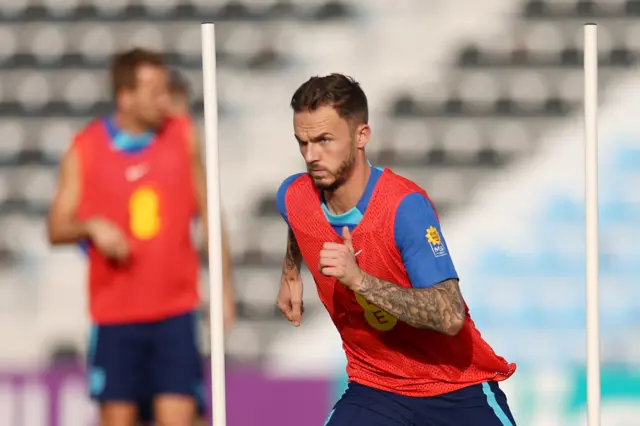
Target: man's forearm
(227, 274)
(67, 232)
(439, 308)
(293, 258)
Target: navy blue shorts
(136, 362)
(479, 405)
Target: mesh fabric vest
(154, 207)
(383, 352)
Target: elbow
(454, 326)
(453, 329)
(54, 236)
(51, 235)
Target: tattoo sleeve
(439, 308)
(293, 258)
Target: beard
(336, 179)
(153, 121)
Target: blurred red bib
(150, 196)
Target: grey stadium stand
(489, 111)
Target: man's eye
(325, 141)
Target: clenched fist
(339, 261)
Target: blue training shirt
(427, 262)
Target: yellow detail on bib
(144, 213)
(376, 317)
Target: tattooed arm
(292, 259)
(439, 307)
(434, 301)
(290, 293)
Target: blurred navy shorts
(136, 362)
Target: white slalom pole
(591, 226)
(218, 403)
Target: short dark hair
(124, 67)
(178, 84)
(338, 91)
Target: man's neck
(347, 196)
(129, 125)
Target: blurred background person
(477, 102)
(180, 106)
(129, 187)
(179, 88)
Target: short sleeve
(281, 194)
(421, 243)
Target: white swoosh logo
(134, 173)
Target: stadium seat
(479, 87)
(245, 40)
(462, 141)
(207, 6)
(55, 137)
(83, 91)
(12, 8)
(511, 139)
(12, 136)
(109, 8)
(8, 43)
(48, 43)
(40, 186)
(447, 188)
(33, 91)
(160, 7)
(59, 8)
(544, 39)
(146, 36)
(530, 88)
(406, 132)
(97, 43)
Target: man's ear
(363, 134)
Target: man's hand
(290, 299)
(339, 261)
(228, 319)
(110, 241)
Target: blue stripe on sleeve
(421, 243)
(281, 194)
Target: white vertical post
(216, 306)
(591, 226)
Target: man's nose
(311, 153)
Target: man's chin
(157, 122)
(325, 184)
(321, 182)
